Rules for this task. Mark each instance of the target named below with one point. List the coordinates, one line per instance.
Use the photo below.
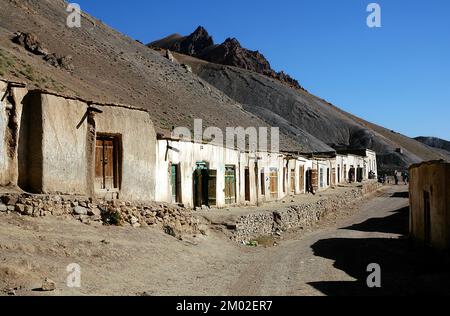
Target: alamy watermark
(250, 139)
(74, 17)
(374, 278)
(374, 18)
(74, 276)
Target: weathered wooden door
(263, 183)
(176, 183)
(201, 180)
(315, 180)
(302, 179)
(247, 184)
(230, 185)
(106, 169)
(212, 187)
(293, 181)
(274, 183)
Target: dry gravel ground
(330, 259)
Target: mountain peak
(200, 44)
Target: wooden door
(302, 179)
(247, 184)
(106, 172)
(212, 188)
(315, 180)
(176, 183)
(230, 185)
(333, 176)
(274, 184)
(263, 183)
(293, 181)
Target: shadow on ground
(406, 269)
(397, 223)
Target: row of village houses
(56, 144)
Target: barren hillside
(108, 66)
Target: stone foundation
(173, 219)
(265, 223)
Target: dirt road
(334, 260)
(331, 259)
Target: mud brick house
(429, 191)
(57, 144)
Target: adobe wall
(60, 148)
(434, 179)
(10, 125)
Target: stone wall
(265, 223)
(173, 219)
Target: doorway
(292, 181)
(274, 183)
(247, 184)
(302, 179)
(205, 186)
(107, 156)
(176, 183)
(230, 185)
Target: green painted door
(230, 185)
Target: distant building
(429, 191)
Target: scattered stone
(48, 285)
(20, 208)
(10, 199)
(79, 210)
(30, 42)
(94, 212)
(3, 208)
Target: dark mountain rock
(30, 42)
(192, 45)
(435, 142)
(201, 45)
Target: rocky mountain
(437, 143)
(200, 44)
(295, 110)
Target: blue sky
(397, 76)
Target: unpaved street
(333, 260)
(330, 259)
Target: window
(107, 166)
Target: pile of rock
(32, 44)
(173, 219)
